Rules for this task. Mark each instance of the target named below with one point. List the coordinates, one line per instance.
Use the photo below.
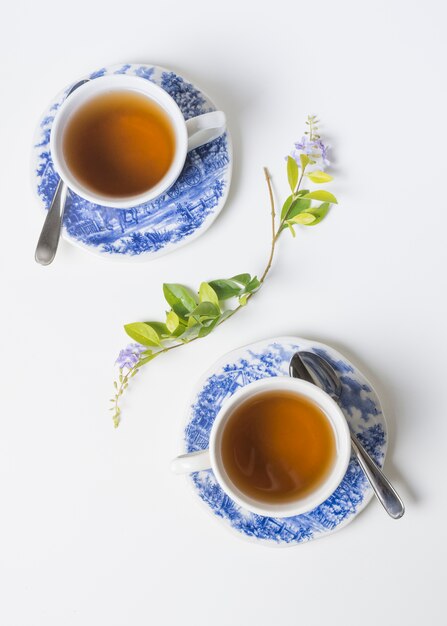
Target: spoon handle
(383, 489)
(49, 237)
(51, 230)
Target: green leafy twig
(193, 316)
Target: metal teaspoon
(51, 229)
(328, 380)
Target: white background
(93, 528)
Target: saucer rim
(282, 339)
(143, 257)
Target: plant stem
(300, 180)
(275, 234)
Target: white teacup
(212, 457)
(188, 134)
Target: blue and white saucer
(184, 212)
(359, 403)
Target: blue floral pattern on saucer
(185, 211)
(359, 403)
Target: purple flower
(315, 149)
(130, 355)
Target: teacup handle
(193, 462)
(205, 128)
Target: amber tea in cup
(119, 143)
(278, 447)
(121, 140)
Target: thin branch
(122, 384)
(272, 206)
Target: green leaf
(207, 321)
(253, 285)
(319, 212)
(302, 192)
(142, 333)
(304, 160)
(205, 310)
(324, 196)
(206, 330)
(286, 206)
(290, 227)
(207, 294)
(298, 206)
(172, 321)
(292, 173)
(303, 218)
(191, 321)
(243, 299)
(190, 333)
(179, 298)
(211, 325)
(319, 177)
(160, 328)
(179, 330)
(226, 288)
(243, 279)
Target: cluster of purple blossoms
(129, 356)
(314, 149)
